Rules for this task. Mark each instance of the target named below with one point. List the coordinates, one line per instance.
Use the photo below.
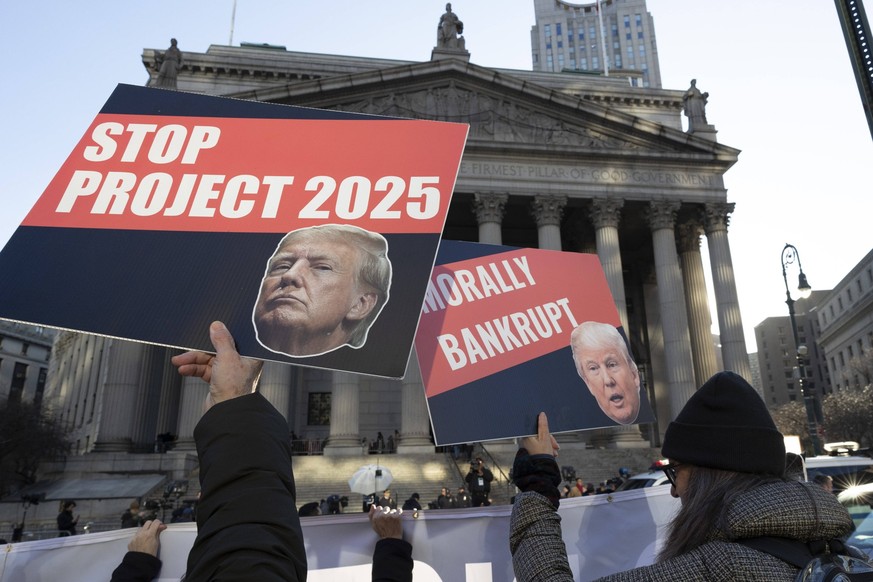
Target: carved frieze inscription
(646, 177)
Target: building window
(617, 61)
(558, 29)
(19, 375)
(24, 348)
(614, 29)
(849, 294)
(627, 20)
(792, 397)
(638, 19)
(548, 30)
(640, 35)
(583, 63)
(595, 63)
(560, 61)
(40, 386)
(560, 43)
(318, 410)
(642, 48)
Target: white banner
(603, 534)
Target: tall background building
(613, 37)
(777, 354)
(24, 361)
(845, 318)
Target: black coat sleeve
(137, 567)
(392, 561)
(247, 522)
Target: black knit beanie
(725, 425)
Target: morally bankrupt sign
(494, 345)
(311, 233)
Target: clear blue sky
(780, 82)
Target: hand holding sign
(543, 443)
(228, 374)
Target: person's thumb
(221, 339)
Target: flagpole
(602, 41)
(232, 19)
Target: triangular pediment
(503, 111)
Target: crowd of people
(727, 467)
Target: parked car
(846, 470)
(649, 479)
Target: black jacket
(137, 567)
(247, 523)
(392, 561)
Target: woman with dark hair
(727, 468)
(66, 521)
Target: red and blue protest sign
(494, 343)
(169, 211)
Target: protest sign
(494, 345)
(168, 213)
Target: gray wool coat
(789, 509)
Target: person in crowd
(445, 500)
(66, 521)
(578, 489)
(463, 499)
(387, 501)
(322, 289)
(413, 503)
(392, 556)
(605, 365)
(141, 563)
(727, 467)
(479, 480)
(131, 516)
(826, 482)
(310, 509)
(247, 522)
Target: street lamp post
(810, 399)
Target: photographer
(479, 481)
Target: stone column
(275, 385)
(547, 210)
(699, 319)
(489, 208)
(730, 322)
(120, 391)
(605, 215)
(345, 438)
(193, 402)
(414, 421)
(148, 399)
(671, 299)
(171, 387)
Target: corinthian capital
(547, 209)
(662, 214)
(489, 207)
(717, 215)
(605, 212)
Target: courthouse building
(555, 160)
